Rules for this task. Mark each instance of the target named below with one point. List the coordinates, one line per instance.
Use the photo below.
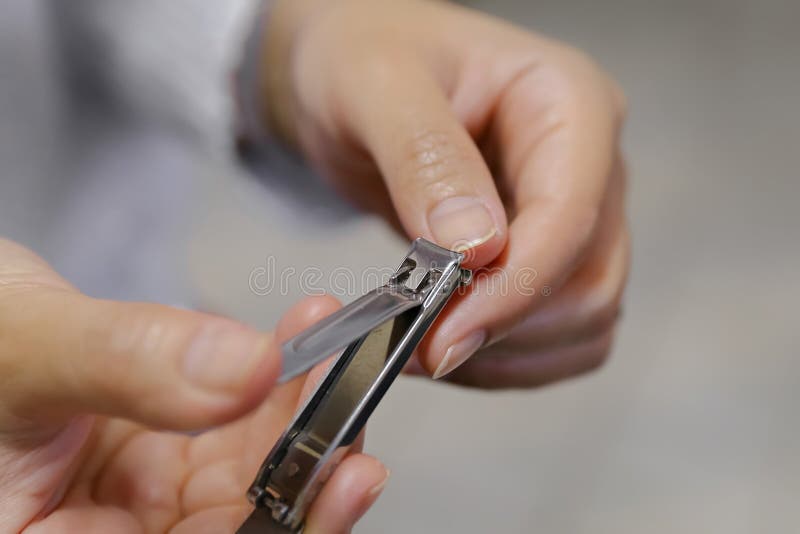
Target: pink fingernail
(461, 223)
(460, 352)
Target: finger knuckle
(578, 59)
(561, 89)
(581, 66)
(582, 81)
(377, 65)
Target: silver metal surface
(260, 522)
(380, 331)
(342, 328)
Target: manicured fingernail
(460, 223)
(459, 352)
(224, 356)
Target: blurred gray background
(693, 424)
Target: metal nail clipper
(378, 333)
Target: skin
(64, 356)
(401, 105)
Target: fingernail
(372, 495)
(375, 490)
(459, 352)
(224, 356)
(460, 223)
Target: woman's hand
(84, 384)
(481, 137)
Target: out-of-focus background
(693, 424)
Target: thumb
(63, 353)
(438, 181)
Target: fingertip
(305, 313)
(314, 377)
(193, 405)
(474, 225)
(300, 316)
(264, 378)
(482, 254)
(351, 491)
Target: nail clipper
(378, 332)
